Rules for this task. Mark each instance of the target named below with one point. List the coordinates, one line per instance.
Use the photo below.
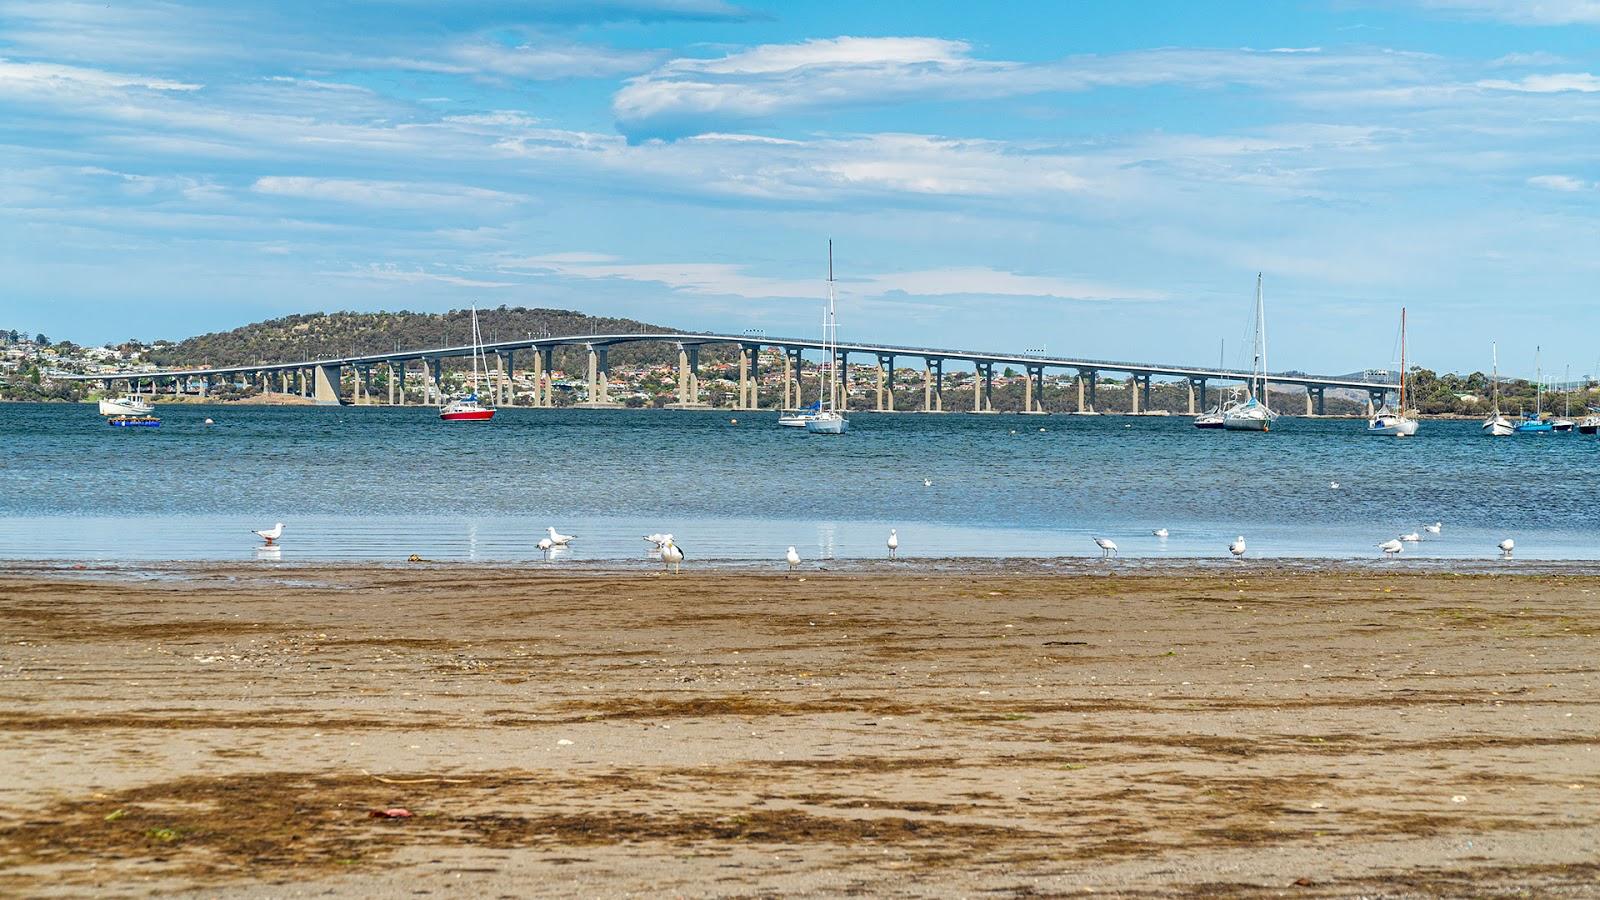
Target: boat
(1589, 424)
(126, 405)
(830, 420)
(797, 418)
(1564, 425)
(1394, 422)
(470, 408)
(1496, 425)
(134, 422)
(1254, 414)
(1212, 418)
(1534, 423)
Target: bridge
(322, 379)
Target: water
(384, 483)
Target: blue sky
(1094, 178)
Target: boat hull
(1246, 424)
(134, 422)
(1534, 428)
(474, 415)
(1588, 429)
(828, 426)
(1499, 427)
(797, 421)
(1208, 422)
(1392, 428)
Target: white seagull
(1237, 547)
(671, 555)
(271, 535)
(1435, 528)
(1391, 547)
(1106, 545)
(546, 545)
(560, 540)
(1333, 485)
(793, 556)
(1506, 546)
(1411, 538)
(894, 544)
(927, 482)
(657, 538)
(1160, 532)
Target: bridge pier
(1088, 380)
(885, 382)
(749, 376)
(791, 365)
(327, 384)
(1320, 404)
(435, 381)
(1133, 394)
(983, 387)
(689, 377)
(1033, 391)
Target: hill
(322, 335)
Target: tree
(41, 340)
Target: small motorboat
(126, 405)
(1589, 425)
(1562, 425)
(134, 422)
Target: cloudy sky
(1093, 178)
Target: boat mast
(830, 339)
(1494, 379)
(1538, 384)
(1259, 375)
(1402, 361)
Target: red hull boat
(451, 414)
(468, 408)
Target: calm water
(382, 483)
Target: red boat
(466, 409)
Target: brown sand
(227, 733)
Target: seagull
(671, 555)
(1435, 528)
(271, 535)
(1237, 547)
(1506, 546)
(793, 556)
(560, 540)
(1160, 532)
(546, 545)
(894, 544)
(927, 482)
(1411, 538)
(1392, 547)
(1106, 545)
(657, 538)
(1333, 485)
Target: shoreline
(1239, 730)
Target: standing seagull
(1106, 545)
(546, 544)
(271, 535)
(560, 540)
(894, 544)
(1391, 547)
(793, 556)
(1237, 547)
(1435, 528)
(1506, 546)
(671, 555)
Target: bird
(560, 540)
(894, 543)
(546, 544)
(1160, 532)
(657, 538)
(1411, 538)
(1237, 547)
(1106, 545)
(671, 555)
(927, 482)
(1391, 547)
(1506, 546)
(1333, 485)
(793, 556)
(1435, 528)
(270, 535)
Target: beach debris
(563, 743)
(1066, 643)
(1458, 799)
(394, 812)
(415, 558)
(416, 780)
(113, 816)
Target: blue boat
(134, 422)
(1532, 424)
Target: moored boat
(797, 418)
(1496, 425)
(470, 408)
(126, 405)
(1254, 414)
(1394, 422)
(134, 422)
(830, 420)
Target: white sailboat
(1255, 413)
(829, 420)
(1212, 418)
(1496, 425)
(1565, 423)
(1394, 422)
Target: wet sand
(227, 732)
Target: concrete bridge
(321, 379)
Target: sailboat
(468, 408)
(1496, 425)
(1212, 418)
(1254, 414)
(1565, 423)
(1393, 422)
(1534, 423)
(829, 420)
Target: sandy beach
(229, 731)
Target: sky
(1088, 178)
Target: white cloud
(1547, 84)
(1524, 12)
(391, 272)
(548, 59)
(40, 79)
(395, 194)
(723, 279)
(1563, 183)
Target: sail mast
(1402, 360)
(1261, 344)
